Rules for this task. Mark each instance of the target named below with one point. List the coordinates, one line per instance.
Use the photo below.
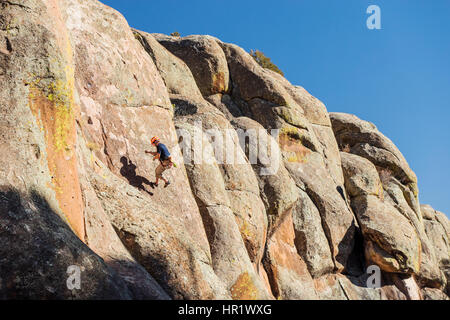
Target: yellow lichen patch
(129, 97)
(291, 132)
(245, 229)
(380, 191)
(53, 107)
(61, 95)
(290, 143)
(137, 36)
(52, 104)
(414, 188)
(419, 258)
(219, 83)
(244, 288)
(93, 146)
(59, 134)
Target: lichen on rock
(325, 197)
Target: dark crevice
(270, 274)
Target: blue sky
(397, 77)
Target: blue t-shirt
(163, 152)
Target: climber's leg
(158, 173)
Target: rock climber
(163, 155)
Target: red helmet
(154, 139)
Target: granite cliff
(307, 202)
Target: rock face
(271, 198)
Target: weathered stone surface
(310, 239)
(236, 227)
(391, 292)
(104, 241)
(399, 196)
(288, 273)
(241, 185)
(364, 186)
(407, 284)
(158, 240)
(271, 100)
(433, 294)
(361, 176)
(330, 152)
(124, 135)
(429, 213)
(119, 135)
(111, 139)
(364, 139)
(176, 74)
(437, 228)
(390, 241)
(204, 57)
(112, 68)
(313, 109)
(399, 189)
(226, 105)
(37, 113)
(340, 287)
(277, 189)
(336, 216)
(252, 81)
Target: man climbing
(163, 155)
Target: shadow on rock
(341, 192)
(39, 249)
(128, 171)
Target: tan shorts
(161, 168)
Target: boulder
(361, 176)
(386, 175)
(399, 196)
(250, 81)
(204, 57)
(337, 219)
(364, 139)
(313, 109)
(310, 239)
(176, 74)
(390, 240)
